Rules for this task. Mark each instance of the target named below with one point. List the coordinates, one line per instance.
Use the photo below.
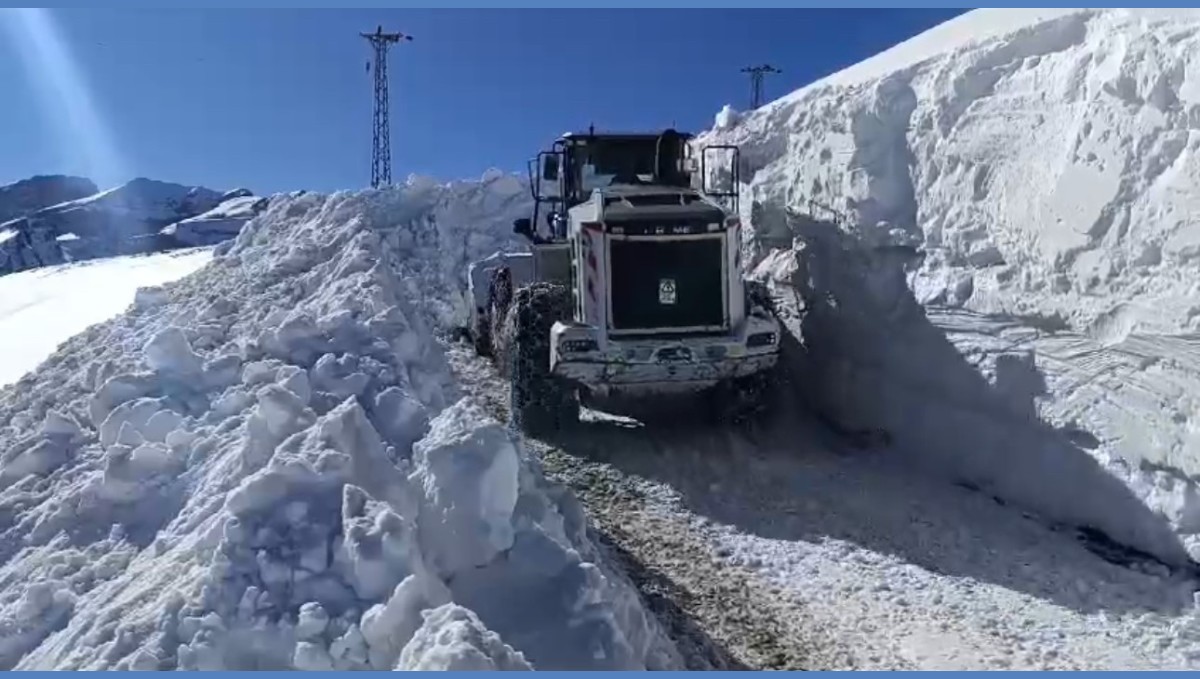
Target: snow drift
(267, 465)
(1028, 176)
(122, 220)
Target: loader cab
(577, 164)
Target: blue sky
(276, 100)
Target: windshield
(612, 162)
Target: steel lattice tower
(381, 141)
(756, 82)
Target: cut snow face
(1026, 177)
(41, 309)
(267, 465)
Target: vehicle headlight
(760, 339)
(577, 346)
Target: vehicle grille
(660, 285)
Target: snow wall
(267, 465)
(992, 226)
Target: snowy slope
(268, 465)
(122, 220)
(1029, 177)
(218, 224)
(41, 308)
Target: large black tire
(541, 403)
(481, 335)
(745, 401)
(754, 399)
(500, 295)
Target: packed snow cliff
(267, 465)
(992, 226)
(139, 216)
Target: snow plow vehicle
(633, 290)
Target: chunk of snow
(58, 424)
(453, 639)
(170, 353)
(469, 474)
(726, 118)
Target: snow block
(453, 639)
(468, 468)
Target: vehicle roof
(629, 136)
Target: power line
(381, 142)
(756, 82)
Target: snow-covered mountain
(122, 220)
(30, 195)
(1030, 177)
(220, 223)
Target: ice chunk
(468, 467)
(117, 390)
(150, 297)
(312, 621)
(135, 413)
(260, 372)
(222, 372)
(339, 376)
(161, 424)
(453, 639)
(726, 118)
(312, 656)
(282, 411)
(381, 546)
(349, 651)
(402, 419)
(170, 353)
(388, 627)
(295, 380)
(58, 425)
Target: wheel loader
(632, 290)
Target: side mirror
(550, 168)
(523, 227)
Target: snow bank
(1026, 176)
(267, 465)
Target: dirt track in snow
(721, 616)
(795, 551)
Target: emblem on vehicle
(666, 291)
